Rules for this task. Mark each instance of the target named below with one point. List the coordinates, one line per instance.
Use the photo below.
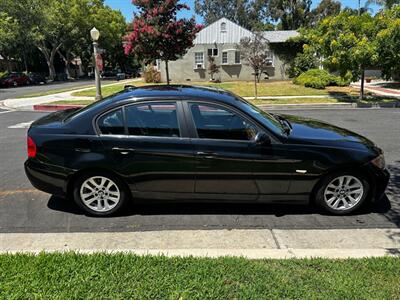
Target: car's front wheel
(99, 194)
(342, 193)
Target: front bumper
(47, 178)
(381, 179)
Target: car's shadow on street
(389, 209)
(184, 208)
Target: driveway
(23, 209)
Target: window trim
(212, 51)
(195, 63)
(193, 130)
(272, 58)
(240, 59)
(153, 136)
(183, 132)
(97, 118)
(223, 27)
(222, 58)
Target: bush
(302, 63)
(319, 79)
(3, 74)
(152, 75)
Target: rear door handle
(206, 154)
(123, 151)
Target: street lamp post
(95, 34)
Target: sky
(126, 7)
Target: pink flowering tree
(158, 34)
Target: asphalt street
(11, 93)
(23, 209)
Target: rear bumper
(46, 178)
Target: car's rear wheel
(99, 193)
(342, 193)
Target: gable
(213, 34)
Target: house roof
(213, 34)
(280, 36)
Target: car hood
(311, 131)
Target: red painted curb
(54, 107)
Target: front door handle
(206, 154)
(123, 151)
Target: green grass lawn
(243, 88)
(72, 102)
(125, 276)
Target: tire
(108, 193)
(342, 197)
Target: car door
(224, 148)
(154, 153)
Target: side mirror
(262, 139)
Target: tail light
(31, 147)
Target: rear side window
(153, 119)
(216, 122)
(112, 123)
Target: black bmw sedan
(185, 143)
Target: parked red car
(14, 79)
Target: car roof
(157, 92)
(162, 92)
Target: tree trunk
(167, 71)
(255, 86)
(25, 63)
(66, 63)
(49, 56)
(362, 84)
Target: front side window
(216, 122)
(152, 119)
(112, 122)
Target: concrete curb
(254, 244)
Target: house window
(270, 57)
(212, 52)
(224, 57)
(237, 57)
(223, 27)
(199, 60)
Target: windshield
(263, 116)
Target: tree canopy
(250, 14)
(157, 33)
(61, 27)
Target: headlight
(379, 161)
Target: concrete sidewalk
(28, 103)
(254, 244)
(377, 87)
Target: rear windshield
(73, 113)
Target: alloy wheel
(343, 192)
(100, 194)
